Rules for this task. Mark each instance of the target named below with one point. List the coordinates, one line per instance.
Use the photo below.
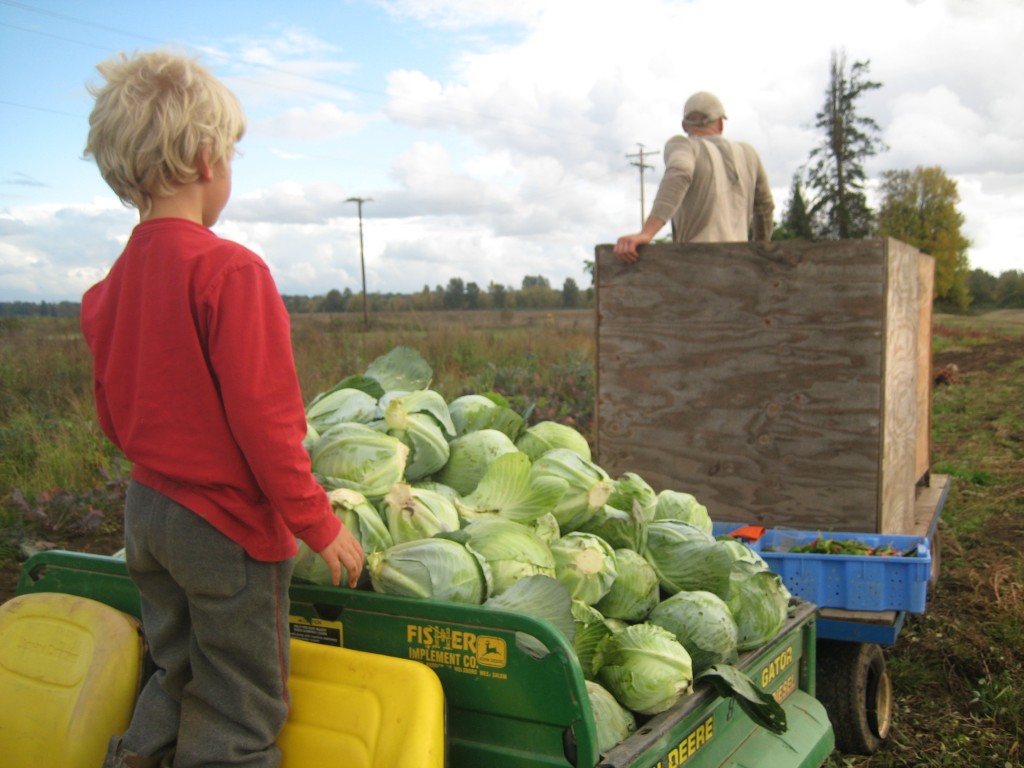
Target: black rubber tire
(936, 550)
(854, 685)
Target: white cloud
(265, 70)
(992, 204)
(465, 14)
(430, 185)
(322, 120)
(288, 203)
(52, 252)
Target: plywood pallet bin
(786, 384)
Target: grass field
(957, 669)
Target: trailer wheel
(936, 550)
(855, 687)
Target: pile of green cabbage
(464, 501)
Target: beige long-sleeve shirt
(714, 190)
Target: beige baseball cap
(705, 108)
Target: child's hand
(345, 551)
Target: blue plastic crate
(850, 582)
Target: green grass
(974, 330)
(958, 668)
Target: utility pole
(362, 264)
(642, 166)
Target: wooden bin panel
(772, 382)
(925, 296)
(898, 463)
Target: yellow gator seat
(70, 671)
(361, 710)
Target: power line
(642, 166)
(7, 103)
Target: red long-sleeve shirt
(195, 382)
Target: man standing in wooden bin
(714, 190)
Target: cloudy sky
(491, 137)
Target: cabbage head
(635, 590)
(541, 597)
(545, 526)
(445, 490)
(585, 563)
(759, 602)
(511, 550)
(623, 520)
(630, 491)
(686, 558)
(620, 528)
(433, 569)
(703, 623)
(339, 406)
(466, 412)
(470, 456)
(471, 413)
(417, 513)
(508, 490)
(420, 420)
(360, 517)
(614, 722)
(740, 551)
(588, 490)
(402, 369)
(676, 505)
(591, 631)
(358, 457)
(545, 435)
(645, 668)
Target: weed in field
(995, 697)
(563, 392)
(59, 511)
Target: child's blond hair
(151, 119)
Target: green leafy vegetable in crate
(824, 546)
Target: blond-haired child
(195, 382)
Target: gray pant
(217, 625)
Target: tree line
(535, 292)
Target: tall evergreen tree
(836, 174)
(919, 207)
(797, 222)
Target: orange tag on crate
(749, 532)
